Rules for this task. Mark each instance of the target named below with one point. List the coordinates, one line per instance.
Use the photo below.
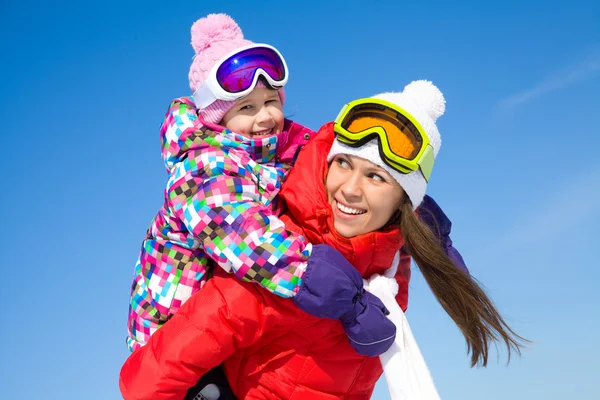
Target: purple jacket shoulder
(431, 213)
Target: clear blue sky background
(84, 86)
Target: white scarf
(405, 370)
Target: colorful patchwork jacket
(220, 208)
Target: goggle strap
(426, 162)
(203, 96)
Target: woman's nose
(352, 188)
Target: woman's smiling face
(363, 196)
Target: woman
(355, 187)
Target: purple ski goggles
(236, 74)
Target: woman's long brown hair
(458, 293)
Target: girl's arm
(213, 194)
(222, 197)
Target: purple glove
(440, 224)
(333, 288)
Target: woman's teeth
(348, 210)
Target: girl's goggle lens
(236, 74)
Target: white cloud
(578, 201)
(560, 80)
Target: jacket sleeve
(433, 215)
(206, 330)
(166, 274)
(216, 191)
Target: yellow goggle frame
(422, 160)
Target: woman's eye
(377, 178)
(343, 163)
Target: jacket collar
(306, 198)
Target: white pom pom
(428, 96)
(212, 29)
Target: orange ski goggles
(403, 144)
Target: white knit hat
(425, 102)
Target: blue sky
(84, 88)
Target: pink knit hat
(213, 37)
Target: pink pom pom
(212, 29)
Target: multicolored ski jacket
(220, 208)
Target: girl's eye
(246, 107)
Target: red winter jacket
(269, 348)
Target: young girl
(221, 204)
(355, 186)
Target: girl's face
(363, 196)
(257, 115)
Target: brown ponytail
(459, 294)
